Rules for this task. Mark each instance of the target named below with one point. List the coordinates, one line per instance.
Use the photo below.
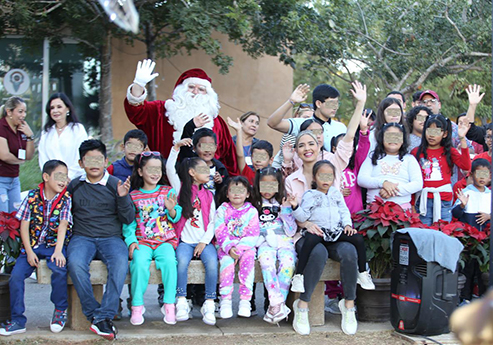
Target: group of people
(185, 188)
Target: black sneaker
(105, 329)
(160, 292)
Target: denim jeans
(10, 194)
(446, 213)
(23, 270)
(184, 254)
(114, 253)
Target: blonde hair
(303, 133)
(11, 104)
(248, 114)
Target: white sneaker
(226, 309)
(182, 309)
(208, 313)
(365, 281)
(332, 305)
(244, 309)
(300, 322)
(297, 283)
(349, 324)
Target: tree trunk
(105, 102)
(151, 54)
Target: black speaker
(423, 294)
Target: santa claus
(163, 121)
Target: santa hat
(195, 75)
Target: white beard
(184, 106)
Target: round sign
(16, 82)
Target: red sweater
(436, 171)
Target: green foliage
(30, 174)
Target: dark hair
(223, 197)
(268, 171)
(441, 122)
(335, 141)
(395, 92)
(185, 197)
(411, 115)
(489, 127)
(10, 104)
(140, 161)
(248, 114)
(322, 92)
(305, 124)
(90, 145)
(202, 133)
(379, 152)
(317, 167)
(71, 116)
(51, 165)
(459, 116)
(480, 162)
(417, 95)
(380, 119)
(264, 145)
(371, 112)
(135, 134)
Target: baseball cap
(429, 92)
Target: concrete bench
(196, 275)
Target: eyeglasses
(429, 101)
(148, 154)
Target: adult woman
(250, 121)
(16, 146)
(390, 171)
(62, 134)
(307, 148)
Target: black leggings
(312, 240)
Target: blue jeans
(114, 253)
(23, 270)
(10, 194)
(184, 254)
(446, 213)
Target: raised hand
(473, 93)
(359, 91)
(123, 188)
(170, 202)
(290, 200)
(363, 123)
(463, 198)
(287, 152)
(144, 74)
(24, 128)
(183, 142)
(236, 125)
(300, 93)
(462, 131)
(200, 120)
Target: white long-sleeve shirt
(407, 173)
(64, 147)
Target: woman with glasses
(62, 134)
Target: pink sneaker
(137, 317)
(168, 310)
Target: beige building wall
(259, 85)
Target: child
(134, 143)
(325, 207)
(151, 235)
(100, 205)
(389, 110)
(262, 154)
(437, 158)
(195, 230)
(44, 235)
(473, 207)
(237, 231)
(277, 228)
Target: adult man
(325, 105)
(400, 96)
(163, 121)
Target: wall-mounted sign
(16, 82)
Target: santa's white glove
(144, 74)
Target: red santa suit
(152, 118)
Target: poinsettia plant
(476, 243)
(9, 238)
(377, 223)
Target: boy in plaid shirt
(45, 228)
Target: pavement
(39, 310)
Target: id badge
(21, 154)
(248, 160)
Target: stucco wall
(259, 85)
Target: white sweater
(407, 173)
